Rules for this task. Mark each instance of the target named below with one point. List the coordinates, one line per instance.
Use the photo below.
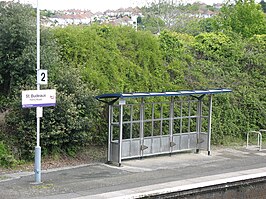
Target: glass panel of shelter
(179, 121)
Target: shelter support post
(209, 125)
(180, 124)
(199, 123)
(120, 134)
(142, 147)
(189, 123)
(110, 118)
(172, 144)
(131, 128)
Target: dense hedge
(119, 59)
(105, 59)
(114, 59)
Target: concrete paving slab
(136, 178)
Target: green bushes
(66, 127)
(114, 59)
(6, 158)
(103, 59)
(208, 60)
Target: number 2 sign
(42, 77)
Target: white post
(120, 133)
(37, 167)
(142, 147)
(199, 123)
(171, 121)
(110, 132)
(209, 125)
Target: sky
(97, 5)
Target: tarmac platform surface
(138, 178)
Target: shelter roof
(117, 96)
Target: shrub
(6, 158)
(66, 126)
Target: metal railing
(259, 138)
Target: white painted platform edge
(181, 185)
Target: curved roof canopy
(116, 96)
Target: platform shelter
(146, 124)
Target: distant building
(122, 16)
(125, 17)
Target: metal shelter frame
(147, 128)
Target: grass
(90, 154)
(43, 186)
(93, 154)
(3, 178)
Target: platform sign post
(37, 162)
(39, 99)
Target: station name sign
(38, 98)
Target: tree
(173, 15)
(152, 24)
(18, 48)
(244, 17)
(163, 11)
(17, 41)
(67, 126)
